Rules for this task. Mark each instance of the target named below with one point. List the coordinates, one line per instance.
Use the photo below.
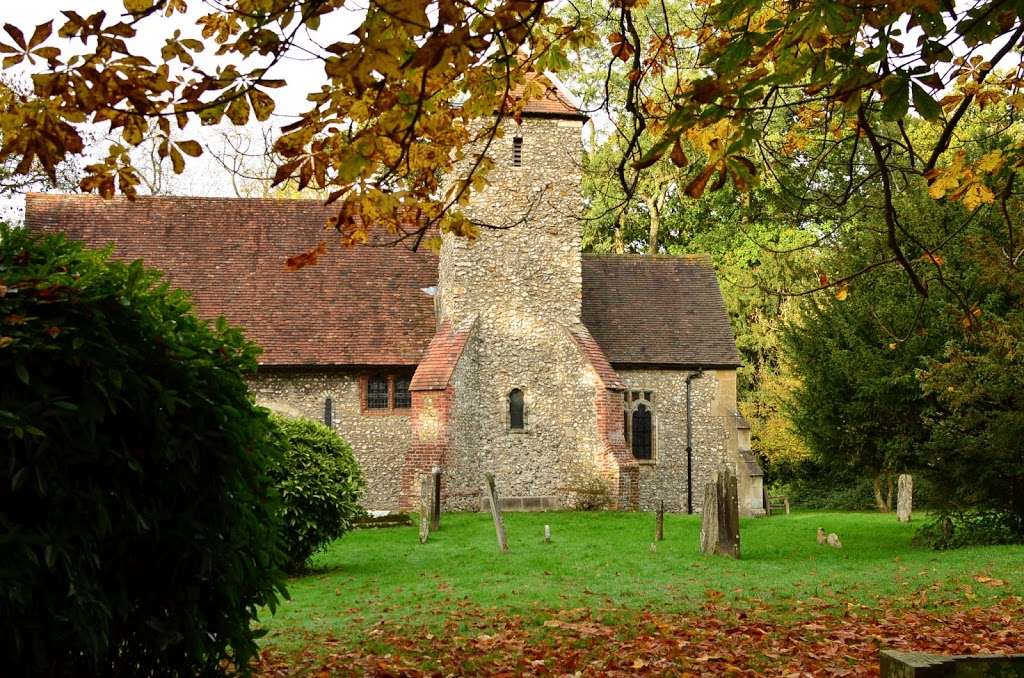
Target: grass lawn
(604, 562)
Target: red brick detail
(382, 411)
(617, 464)
(431, 441)
(439, 361)
(593, 354)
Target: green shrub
(951, 530)
(140, 530)
(590, 493)
(319, 482)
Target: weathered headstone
(547, 534)
(659, 525)
(720, 523)
(435, 499)
(424, 508)
(898, 664)
(499, 525)
(904, 497)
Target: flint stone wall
(523, 283)
(379, 441)
(560, 443)
(529, 267)
(665, 476)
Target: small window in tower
(516, 410)
(403, 397)
(328, 411)
(377, 392)
(517, 151)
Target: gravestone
(547, 534)
(435, 499)
(898, 664)
(720, 522)
(904, 497)
(424, 508)
(499, 525)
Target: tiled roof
(660, 310)
(555, 102)
(435, 369)
(595, 356)
(366, 305)
(357, 306)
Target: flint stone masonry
(664, 477)
(379, 441)
(503, 311)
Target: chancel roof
(372, 305)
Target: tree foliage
(721, 89)
(319, 482)
(140, 526)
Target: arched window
(639, 425)
(516, 410)
(642, 426)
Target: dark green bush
(319, 482)
(951, 530)
(140, 530)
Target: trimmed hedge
(140, 528)
(319, 481)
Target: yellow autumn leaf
(977, 194)
(842, 292)
(990, 162)
(943, 183)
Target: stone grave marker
(499, 525)
(720, 522)
(904, 497)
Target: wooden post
(904, 497)
(424, 508)
(435, 503)
(659, 529)
(499, 526)
(720, 522)
(547, 534)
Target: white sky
(203, 176)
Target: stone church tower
(514, 384)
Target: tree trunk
(880, 502)
(618, 245)
(655, 230)
(904, 499)
(888, 493)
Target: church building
(514, 353)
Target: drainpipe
(689, 437)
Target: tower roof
(555, 102)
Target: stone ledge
(895, 664)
